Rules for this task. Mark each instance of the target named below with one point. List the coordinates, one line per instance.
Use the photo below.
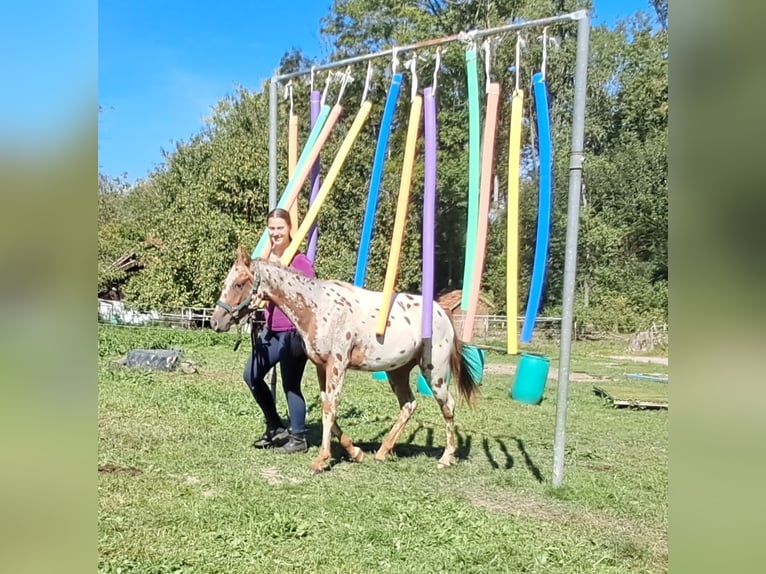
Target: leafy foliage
(111, 223)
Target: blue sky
(47, 67)
(162, 65)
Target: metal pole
(578, 15)
(273, 102)
(570, 261)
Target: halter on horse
(337, 321)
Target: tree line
(184, 221)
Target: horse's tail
(468, 387)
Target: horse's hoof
(317, 467)
(358, 456)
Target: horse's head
(237, 294)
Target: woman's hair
(280, 213)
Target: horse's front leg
(354, 452)
(330, 395)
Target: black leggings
(285, 348)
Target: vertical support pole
(273, 101)
(570, 260)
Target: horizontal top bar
(473, 34)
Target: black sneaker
(271, 436)
(297, 443)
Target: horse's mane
(291, 270)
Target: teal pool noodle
(474, 165)
(313, 136)
(545, 204)
(375, 179)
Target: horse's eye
(239, 285)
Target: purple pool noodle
(429, 211)
(314, 178)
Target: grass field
(182, 490)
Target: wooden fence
(488, 329)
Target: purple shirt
(276, 320)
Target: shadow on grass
(491, 459)
(427, 445)
(509, 460)
(528, 460)
(405, 448)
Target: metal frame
(575, 180)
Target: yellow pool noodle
(401, 213)
(327, 183)
(287, 199)
(512, 221)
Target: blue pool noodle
(375, 179)
(545, 203)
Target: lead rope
(238, 342)
(251, 316)
(253, 330)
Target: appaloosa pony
(337, 323)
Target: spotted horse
(337, 321)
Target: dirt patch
(273, 476)
(637, 359)
(509, 369)
(529, 505)
(520, 505)
(114, 469)
(499, 369)
(583, 377)
(191, 480)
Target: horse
(336, 321)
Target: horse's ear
(243, 256)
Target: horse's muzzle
(221, 320)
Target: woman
(279, 342)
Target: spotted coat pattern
(337, 321)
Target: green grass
(186, 492)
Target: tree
(111, 241)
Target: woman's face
(279, 233)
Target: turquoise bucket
(529, 383)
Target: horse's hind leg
(443, 396)
(400, 384)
